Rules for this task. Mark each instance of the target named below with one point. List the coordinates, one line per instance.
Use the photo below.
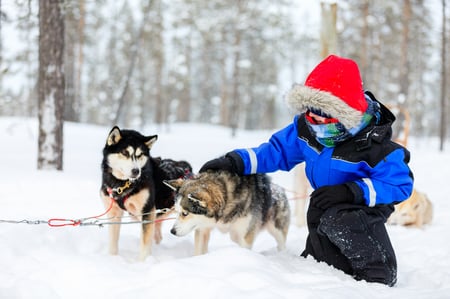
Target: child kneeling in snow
(343, 134)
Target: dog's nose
(173, 231)
(135, 172)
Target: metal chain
(100, 222)
(24, 221)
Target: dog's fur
(415, 211)
(240, 205)
(132, 179)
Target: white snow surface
(39, 261)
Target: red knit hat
(334, 86)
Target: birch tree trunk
(328, 32)
(443, 116)
(51, 85)
(405, 43)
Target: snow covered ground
(38, 261)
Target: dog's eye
(184, 213)
(125, 153)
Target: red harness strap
(119, 200)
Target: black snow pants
(354, 239)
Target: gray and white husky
(240, 205)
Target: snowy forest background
(194, 71)
(142, 62)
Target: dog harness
(120, 200)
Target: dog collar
(119, 190)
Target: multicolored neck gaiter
(330, 134)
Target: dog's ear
(174, 184)
(150, 140)
(196, 206)
(114, 136)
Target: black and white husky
(132, 181)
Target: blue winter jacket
(370, 164)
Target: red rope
(296, 196)
(59, 222)
(163, 219)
